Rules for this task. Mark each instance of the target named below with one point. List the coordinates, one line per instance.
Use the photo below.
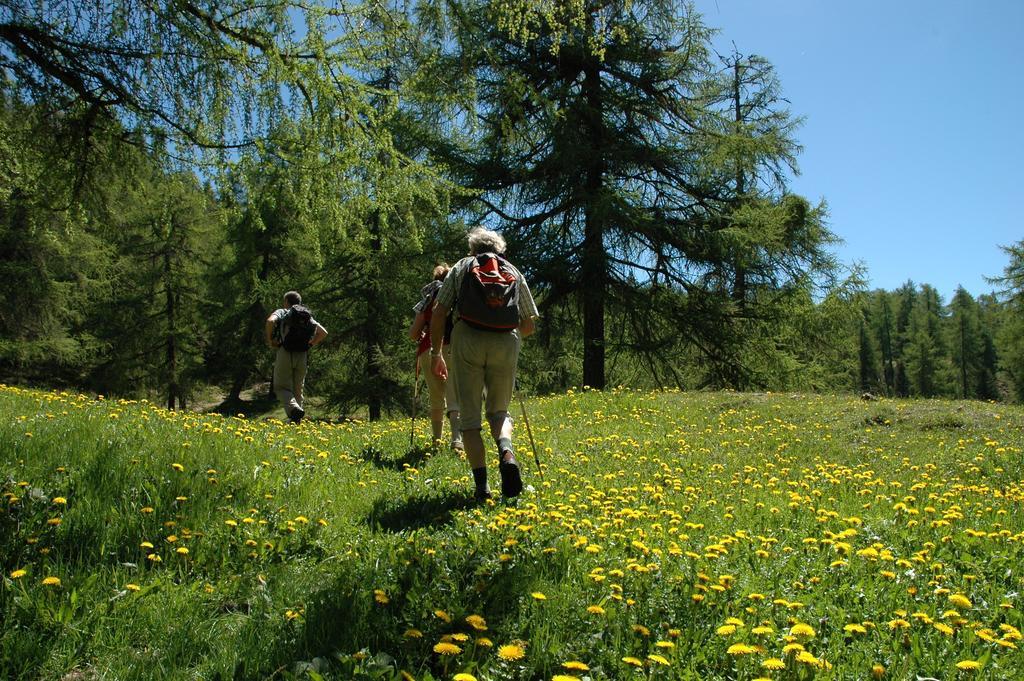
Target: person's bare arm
(269, 330)
(437, 363)
(416, 330)
(318, 335)
(526, 327)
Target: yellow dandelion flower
(855, 629)
(792, 648)
(132, 587)
(726, 630)
(564, 677)
(510, 652)
(442, 615)
(735, 621)
(877, 671)
(968, 665)
(960, 600)
(774, 664)
(178, 467)
(181, 551)
(477, 622)
(60, 501)
(484, 642)
(18, 574)
(899, 624)
(413, 633)
(943, 628)
(641, 629)
(667, 645)
(1010, 631)
(463, 677)
(741, 649)
(461, 638)
(538, 596)
(595, 610)
(447, 648)
(807, 658)
(381, 596)
(659, 659)
(762, 630)
(576, 666)
(634, 661)
(51, 581)
(801, 629)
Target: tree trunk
(171, 340)
(739, 290)
(593, 269)
(963, 356)
(373, 340)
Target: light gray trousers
(289, 377)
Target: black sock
(504, 445)
(480, 477)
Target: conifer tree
(1011, 332)
(608, 146)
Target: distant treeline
(169, 170)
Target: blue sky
(914, 125)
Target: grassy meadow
(673, 536)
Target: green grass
(667, 529)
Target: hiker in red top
(493, 311)
(442, 391)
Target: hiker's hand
(439, 367)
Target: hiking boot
(481, 495)
(457, 446)
(511, 479)
(297, 415)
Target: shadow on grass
(259, 405)
(409, 513)
(410, 459)
(344, 616)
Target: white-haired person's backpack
(489, 297)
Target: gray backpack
(489, 297)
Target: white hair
(483, 240)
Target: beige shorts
(483, 359)
(442, 393)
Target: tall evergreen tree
(608, 147)
(1011, 332)
(906, 297)
(925, 351)
(884, 330)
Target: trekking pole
(529, 432)
(415, 399)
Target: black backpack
(298, 329)
(489, 297)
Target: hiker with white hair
(493, 311)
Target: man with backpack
(493, 311)
(293, 331)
